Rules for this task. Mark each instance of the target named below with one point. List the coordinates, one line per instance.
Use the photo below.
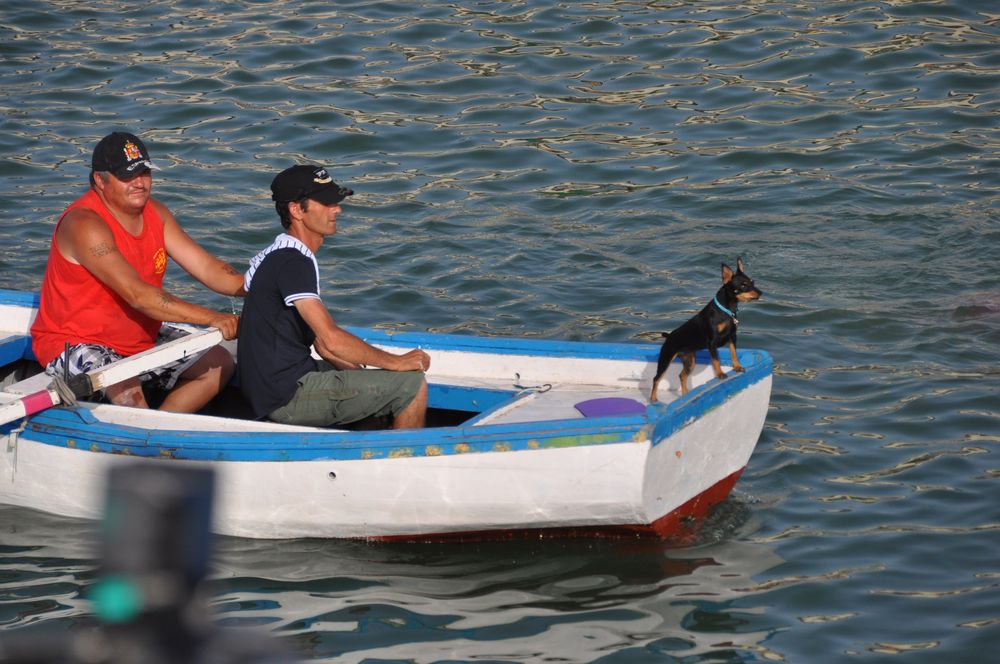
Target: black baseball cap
(298, 182)
(121, 154)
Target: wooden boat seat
(559, 403)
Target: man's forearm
(345, 348)
(160, 305)
(224, 279)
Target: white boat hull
(504, 471)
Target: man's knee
(421, 396)
(414, 415)
(127, 393)
(414, 387)
(216, 362)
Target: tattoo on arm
(102, 249)
(167, 300)
(231, 271)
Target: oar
(83, 385)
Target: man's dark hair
(284, 215)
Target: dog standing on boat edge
(713, 326)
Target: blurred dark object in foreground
(148, 599)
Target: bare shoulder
(82, 233)
(81, 219)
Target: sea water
(581, 171)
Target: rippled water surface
(579, 171)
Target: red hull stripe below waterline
(681, 523)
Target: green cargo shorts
(332, 396)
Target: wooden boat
(527, 436)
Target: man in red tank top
(103, 288)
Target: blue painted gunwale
(14, 348)
(19, 298)
(77, 428)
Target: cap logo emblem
(132, 151)
(320, 176)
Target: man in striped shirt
(284, 318)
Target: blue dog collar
(731, 313)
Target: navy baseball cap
(121, 154)
(298, 182)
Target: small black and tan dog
(710, 328)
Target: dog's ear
(727, 274)
(739, 265)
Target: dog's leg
(662, 364)
(687, 359)
(716, 365)
(736, 362)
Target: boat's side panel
(433, 495)
(53, 479)
(589, 485)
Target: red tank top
(76, 307)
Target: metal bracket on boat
(12, 441)
(540, 389)
(12, 447)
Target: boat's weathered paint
(493, 474)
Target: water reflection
(496, 600)
(355, 600)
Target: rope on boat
(524, 389)
(65, 392)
